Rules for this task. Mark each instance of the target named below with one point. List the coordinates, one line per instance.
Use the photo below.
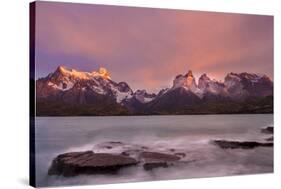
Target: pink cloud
(148, 47)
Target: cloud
(148, 47)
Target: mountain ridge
(95, 93)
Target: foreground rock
(242, 145)
(153, 160)
(88, 162)
(112, 156)
(267, 130)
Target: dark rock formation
(153, 160)
(267, 130)
(242, 145)
(88, 162)
(269, 139)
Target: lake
(190, 134)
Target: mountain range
(69, 92)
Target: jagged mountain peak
(64, 71)
(83, 85)
(189, 74)
(187, 82)
(241, 85)
(235, 85)
(245, 76)
(211, 86)
(76, 74)
(61, 69)
(203, 81)
(204, 76)
(102, 73)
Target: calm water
(188, 134)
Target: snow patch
(98, 90)
(120, 96)
(63, 86)
(146, 100)
(84, 75)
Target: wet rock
(110, 145)
(242, 145)
(152, 165)
(269, 139)
(132, 153)
(267, 130)
(125, 153)
(180, 154)
(153, 160)
(88, 162)
(120, 147)
(144, 148)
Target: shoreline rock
(267, 130)
(153, 160)
(270, 139)
(224, 144)
(88, 162)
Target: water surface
(190, 134)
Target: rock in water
(267, 130)
(154, 160)
(88, 162)
(269, 139)
(243, 145)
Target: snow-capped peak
(102, 73)
(189, 74)
(232, 79)
(186, 81)
(83, 75)
(211, 86)
(233, 76)
(203, 81)
(99, 82)
(74, 73)
(190, 80)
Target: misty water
(190, 134)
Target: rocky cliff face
(245, 84)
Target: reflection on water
(188, 134)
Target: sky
(148, 47)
